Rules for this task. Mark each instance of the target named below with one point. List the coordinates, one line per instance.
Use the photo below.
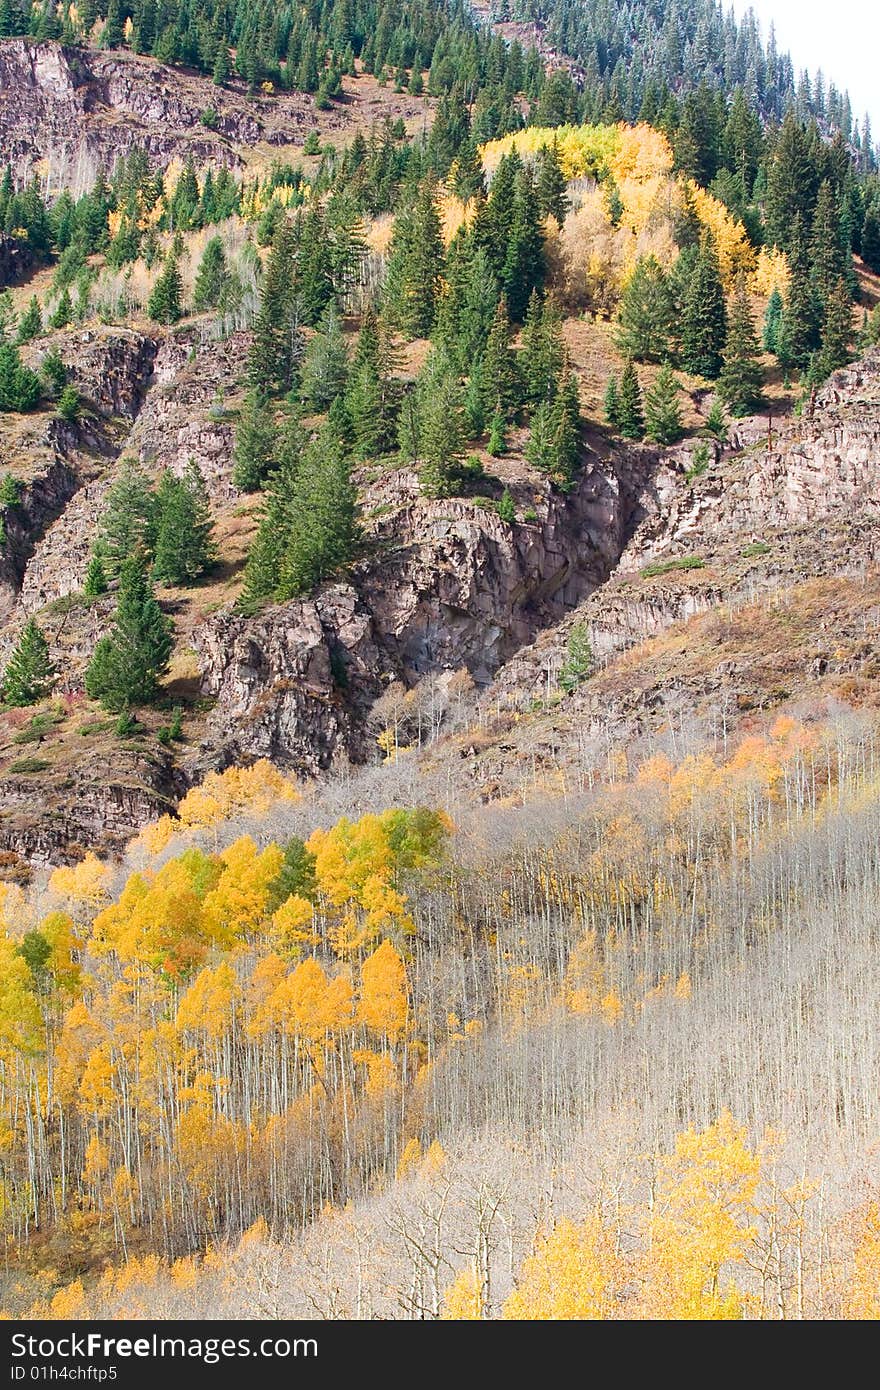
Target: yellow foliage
(293, 924)
(253, 790)
(384, 1004)
(771, 272)
(236, 907)
(862, 1300)
(84, 888)
(207, 1005)
(586, 987)
(410, 1158)
(575, 1273)
(700, 1228)
(381, 1073)
(736, 255)
(463, 1300)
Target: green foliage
(184, 548)
(716, 420)
(578, 659)
(741, 381)
(630, 409)
(325, 365)
(699, 463)
(646, 313)
(506, 508)
(128, 524)
(415, 266)
(69, 404)
(296, 876)
(53, 372)
(128, 663)
(19, 386)
(681, 562)
(611, 402)
(704, 316)
(95, 582)
(256, 443)
(31, 323)
(29, 673)
(164, 304)
(212, 277)
(663, 423)
(10, 491)
(308, 528)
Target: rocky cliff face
(77, 110)
(798, 503)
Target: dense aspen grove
(602, 1055)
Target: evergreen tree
(611, 402)
(704, 316)
(432, 425)
(29, 673)
(277, 342)
(791, 183)
(370, 397)
(799, 325)
(164, 304)
(716, 420)
(256, 440)
(565, 423)
(309, 526)
(63, 310)
(506, 508)
(497, 443)
(837, 329)
(663, 424)
(542, 354)
(415, 266)
(772, 321)
(128, 663)
(630, 411)
(212, 276)
(325, 365)
(646, 313)
(828, 258)
(31, 323)
(740, 384)
(184, 548)
(871, 239)
(500, 376)
(129, 520)
(19, 386)
(550, 184)
(524, 266)
(95, 582)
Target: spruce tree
(19, 386)
(415, 266)
(129, 520)
(325, 365)
(871, 239)
(828, 259)
(524, 266)
(309, 525)
(212, 276)
(630, 411)
(31, 322)
(550, 184)
(506, 508)
(29, 673)
(184, 548)
(772, 321)
(256, 439)
(95, 582)
(371, 395)
(63, 310)
(663, 424)
(500, 375)
(277, 343)
(704, 316)
(565, 426)
(740, 384)
(646, 313)
(611, 402)
(432, 425)
(837, 329)
(539, 445)
(542, 354)
(497, 443)
(799, 326)
(164, 304)
(128, 663)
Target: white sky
(842, 37)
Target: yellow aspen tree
(463, 1300)
(862, 1297)
(701, 1226)
(575, 1273)
(383, 1006)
